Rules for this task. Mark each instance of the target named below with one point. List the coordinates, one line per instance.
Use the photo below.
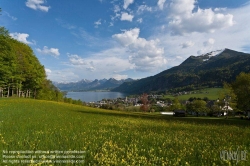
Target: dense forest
(21, 74)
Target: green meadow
(210, 93)
(116, 138)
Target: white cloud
(111, 24)
(116, 16)
(99, 65)
(209, 42)
(140, 20)
(187, 44)
(183, 20)
(181, 7)
(48, 71)
(119, 76)
(67, 76)
(236, 37)
(104, 65)
(202, 51)
(126, 17)
(37, 5)
(161, 3)
(22, 37)
(49, 51)
(144, 54)
(91, 68)
(128, 37)
(143, 8)
(116, 8)
(220, 9)
(127, 3)
(76, 60)
(87, 36)
(97, 23)
(10, 16)
(179, 57)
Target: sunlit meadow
(119, 138)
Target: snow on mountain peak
(207, 56)
(213, 53)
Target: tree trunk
(20, 88)
(8, 93)
(12, 92)
(17, 91)
(12, 87)
(35, 94)
(26, 95)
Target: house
(167, 113)
(160, 104)
(227, 108)
(180, 113)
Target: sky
(96, 39)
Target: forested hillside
(21, 74)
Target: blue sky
(96, 39)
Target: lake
(94, 96)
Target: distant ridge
(88, 85)
(210, 69)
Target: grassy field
(210, 93)
(115, 138)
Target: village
(166, 106)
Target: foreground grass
(118, 138)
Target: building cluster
(187, 93)
(157, 101)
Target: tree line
(21, 73)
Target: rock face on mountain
(211, 69)
(87, 85)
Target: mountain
(113, 83)
(211, 69)
(86, 85)
(73, 85)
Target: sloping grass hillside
(210, 93)
(115, 138)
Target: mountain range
(209, 70)
(88, 85)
